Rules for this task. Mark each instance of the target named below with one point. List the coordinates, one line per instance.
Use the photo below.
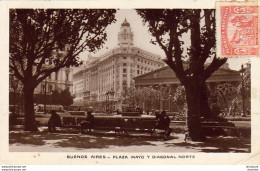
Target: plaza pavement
(43, 141)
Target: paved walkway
(22, 141)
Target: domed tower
(125, 36)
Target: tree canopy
(55, 37)
(187, 36)
(185, 57)
(43, 41)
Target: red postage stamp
(238, 30)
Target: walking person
(235, 111)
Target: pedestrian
(235, 112)
(54, 121)
(186, 133)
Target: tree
(246, 81)
(245, 88)
(149, 96)
(224, 93)
(180, 100)
(66, 98)
(55, 98)
(44, 40)
(15, 93)
(170, 28)
(133, 97)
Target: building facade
(57, 81)
(102, 82)
(224, 85)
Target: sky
(141, 37)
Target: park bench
(131, 114)
(219, 128)
(77, 113)
(71, 122)
(124, 125)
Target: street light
(170, 102)
(158, 92)
(163, 97)
(108, 93)
(242, 90)
(107, 102)
(45, 86)
(112, 94)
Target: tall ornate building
(101, 83)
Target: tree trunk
(193, 98)
(30, 123)
(205, 109)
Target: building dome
(125, 23)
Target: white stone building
(101, 83)
(58, 81)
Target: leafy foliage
(55, 98)
(225, 94)
(179, 99)
(246, 82)
(55, 36)
(43, 41)
(133, 97)
(186, 57)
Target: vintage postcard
(166, 82)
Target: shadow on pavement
(101, 140)
(218, 144)
(96, 140)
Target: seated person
(12, 118)
(163, 122)
(88, 123)
(54, 121)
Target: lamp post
(51, 98)
(107, 102)
(112, 94)
(108, 93)
(242, 90)
(45, 92)
(160, 100)
(170, 102)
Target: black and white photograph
(124, 80)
